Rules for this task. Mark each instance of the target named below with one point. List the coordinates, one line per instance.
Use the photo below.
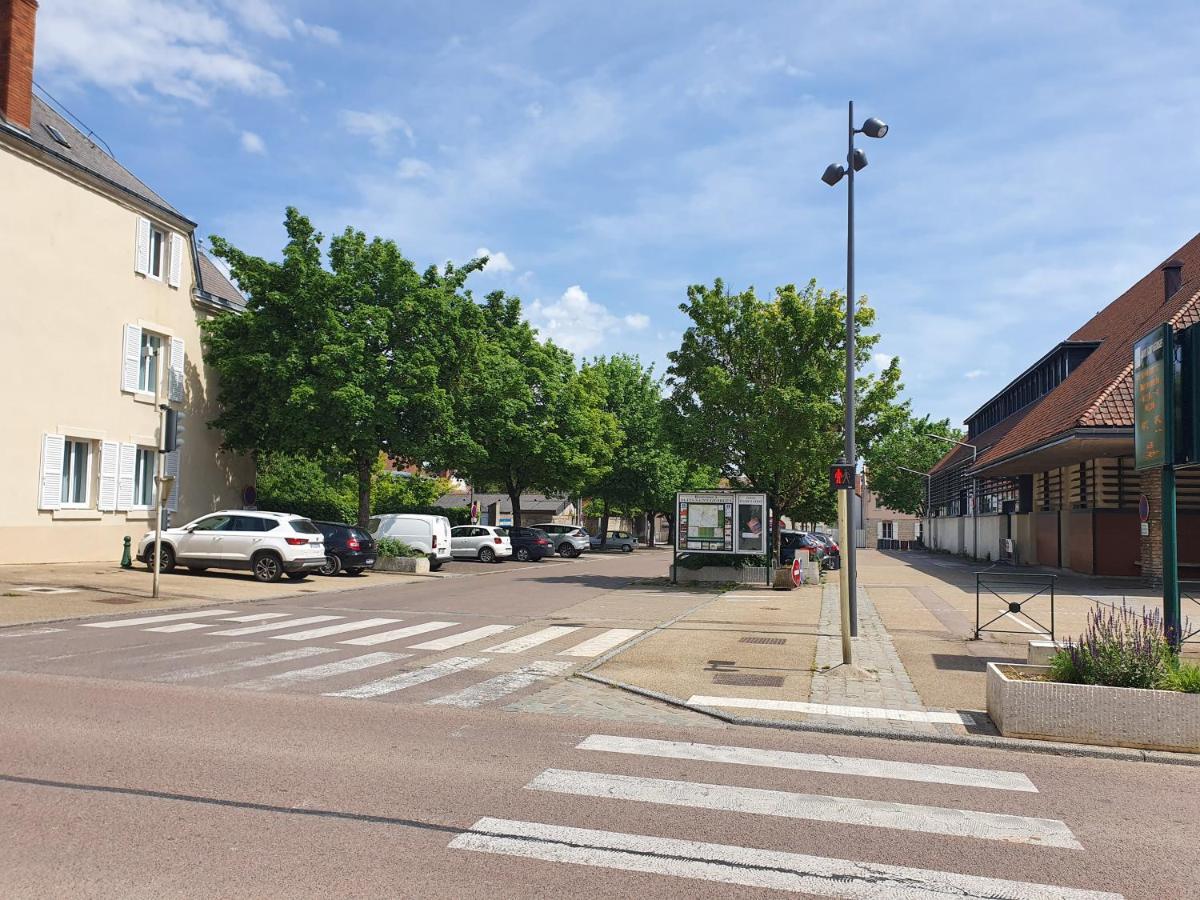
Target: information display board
(1150, 428)
(721, 522)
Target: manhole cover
(115, 601)
(762, 640)
(748, 680)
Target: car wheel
(168, 558)
(434, 564)
(354, 570)
(625, 548)
(268, 568)
(564, 550)
(297, 576)
(487, 555)
(523, 554)
(332, 566)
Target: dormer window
(158, 253)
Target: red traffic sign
(841, 476)
(1143, 508)
(797, 573)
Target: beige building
(102, 294)
(884, 528)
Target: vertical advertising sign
(1150, 427)
(751, 535)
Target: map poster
(705, 522)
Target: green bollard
(126, 559)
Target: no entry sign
(797, 572)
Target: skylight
(56, 134)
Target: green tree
(906, 445)
(756, 389)
(319, 488)
(347, 359)
(530, 419)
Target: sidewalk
(49, 593)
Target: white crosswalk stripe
(405, 680)
(29, 632)
(318, 673)
(529, 641)
(236, 665)
(257, 617)
(398, 634)
(179, 626)
(811, 807)
(835, 709)
(465, 637)
(772, 869)
(189, 652)
(313, 634)
(275, 626)
(604, 641)
(158, 620)
(502, 685)
(812, 762)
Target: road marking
(529, 641)
(811, 807)
(394, 683)
(502, 685)
(235, 665)
(830, 709)
(313, 633)
(1025, 624)
(29, 632)
(397, 634)
(257, 617)
(794, 872)
(180, 626)
(197, 651)
(154, 620)
(275, 626)
(994, 779)
(604, 641)
(465, 637)
(316, 673)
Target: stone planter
(1089, 714)
(417, 565)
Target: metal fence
(1189, 590)
(1004, 586)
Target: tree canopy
(907, 446)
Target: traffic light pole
(843, 579)
(849, 551)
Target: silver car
(568, 540)
(617, 540)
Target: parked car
(617, 540)
(833, 554)
(486, 543)
(568, 540)
(790, 541)
(530, 544)
(269, 544)
(429, 534)
(348, 548)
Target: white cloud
(413, 168)
(377, 127)
(974, 373)
(149, 46)
(882, 360)
(252, 143)
(498, 260)
(577, 322)
(322, 33)
(261, 16)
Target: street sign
(841, 476)
(1143, 508)
(797, 572)
(1152, 413)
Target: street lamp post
(974, 488)
(928, 485)
(855, 161)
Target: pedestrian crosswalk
(680, 855)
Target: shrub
(1118, 648)
(1182, 676)
(393, 547)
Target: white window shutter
(126, 470)
(879, 529)
(177, 370)
(53, 448)
(110, 451)
(175, 272)
(171, 464)
(141, 263)
(131, 358)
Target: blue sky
(1042, 156)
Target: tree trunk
(604, 525)
(364, 489)
(776, 528)
(651, 522)
(670, 529)
(514, 497)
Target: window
(213, 523)
(76, 473)
(158, 252)
(303, 526)
(887, 531)
(151, 353)
(143, 477)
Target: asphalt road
(285, 762)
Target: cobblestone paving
(878, 678)
(597, 701)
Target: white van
(429, 534)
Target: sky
(1042, 156)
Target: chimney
(16, 60)
(1172, 274)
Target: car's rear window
(360, 534)
(304, 526)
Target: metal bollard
(126, 557)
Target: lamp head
(833, 174)
(858, 160)
(873, 128)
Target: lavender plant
(1118, 648)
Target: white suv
(269, 544)
(485, 543)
